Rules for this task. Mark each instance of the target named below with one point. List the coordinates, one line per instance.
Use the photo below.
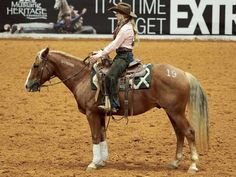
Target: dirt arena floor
(44, 135)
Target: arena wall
(156, 18)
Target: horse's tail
(198, 113)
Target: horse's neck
(66, 67)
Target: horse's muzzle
(32, 86)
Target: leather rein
(64, 80)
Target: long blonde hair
(132, 21)
(136, 38)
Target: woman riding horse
(172, 89)
(124, 36)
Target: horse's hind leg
(185, 128)
(180, 142)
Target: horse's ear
(45, 52)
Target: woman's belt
(123, 49)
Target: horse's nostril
(27, 87)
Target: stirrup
(107, 106)
(113, 110)
(102, 107)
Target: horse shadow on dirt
(142, 166)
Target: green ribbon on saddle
(135, 83)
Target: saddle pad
(136, 83)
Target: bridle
(44, 65)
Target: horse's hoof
(101, 164)
(192, 170)
(91, 167)
(94, 166)
(173, 165)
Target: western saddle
(135, 69)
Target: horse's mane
(66, 55)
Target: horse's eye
(35, 66)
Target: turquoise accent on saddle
(143, 82)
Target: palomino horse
(63, 8)
(172, 89)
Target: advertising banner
(154, 17)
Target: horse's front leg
(103, 143)
(100, 152)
